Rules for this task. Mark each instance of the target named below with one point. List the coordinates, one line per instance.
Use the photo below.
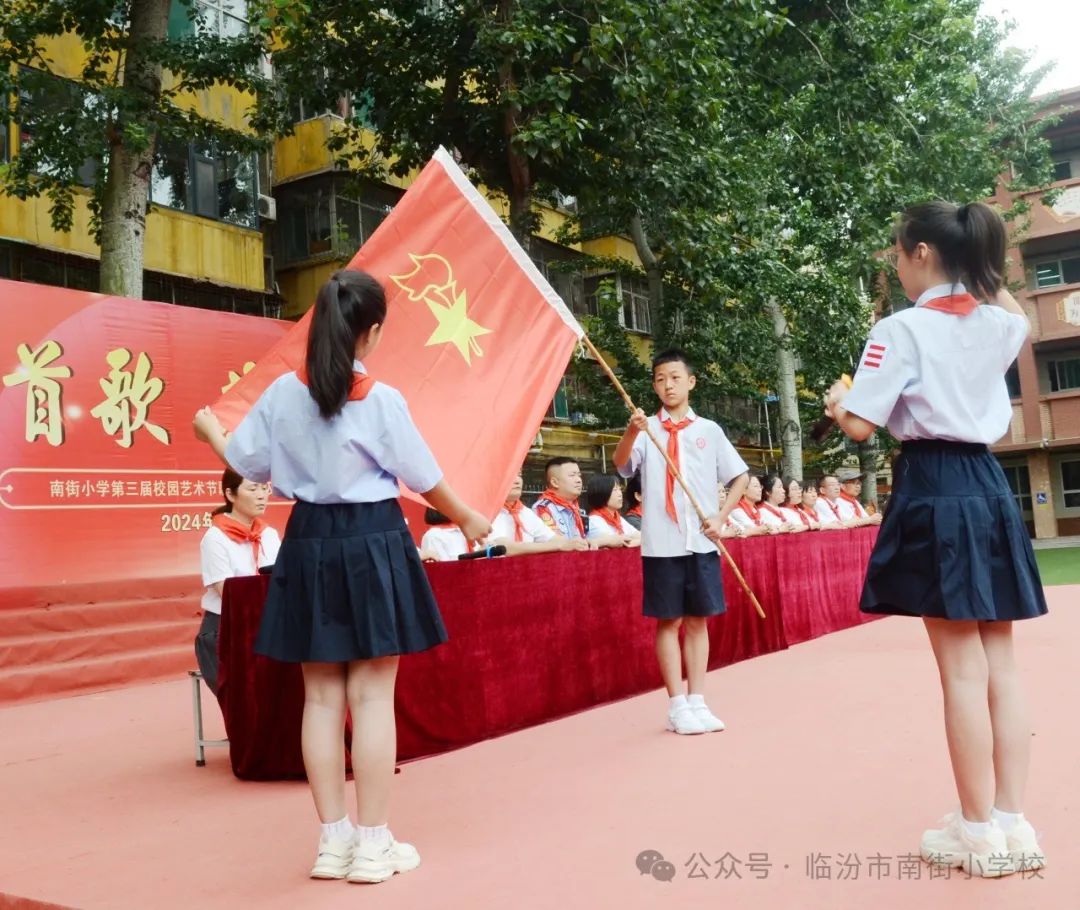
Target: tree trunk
(790, 427)
(127, 184)
(868, 465)
(522, 220)
(651, 262)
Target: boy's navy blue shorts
(676, 586)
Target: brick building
(1041, 452)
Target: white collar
(940, 290)
(664, 415)
(358, 367)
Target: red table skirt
(535, 638)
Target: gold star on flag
(432, 280)
(456, 328)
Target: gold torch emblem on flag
(432, 280)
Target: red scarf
(772, 509)
(673, 453)
(860, 512)
(514, 508)
(635, 511)
(799, 510)
(361, 383)
(835, 509)
(241, 533)
(566, 504)
(611, 517)
(954, 304)
(751, 510)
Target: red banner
(476, 339)
(100, 475)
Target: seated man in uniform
(521, 531)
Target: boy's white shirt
(706, 459)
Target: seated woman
(607, 527)
(772, 499)
(799, 517)
(443, 541)
(633, 501)
(749, 514)
(809, 505)
(731, 528)
(239, 543)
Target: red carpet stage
(833, 762)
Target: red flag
(476, 339)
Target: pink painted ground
(834, 751)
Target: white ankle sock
(977, 829)
(380, 834)
(695, 699)
(1007, 820)
(339, 830)
(677, 701)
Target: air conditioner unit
(267, 208)
(567, 203)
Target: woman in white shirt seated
(749, 514)
(607, 525)
(772, 511)
(809, 503)
(796, 513)
(443, 541)
(239, 543)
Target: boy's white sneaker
(684, 720)
(709, 721)
(953, 847)
(333, 859)
(374, 862)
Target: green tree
(824, 129)
(523, 91)
(132, 92)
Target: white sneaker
(333, 859)
(953, 847)
(1024, 849)
(685, 721)
(374, 862)
(709, 721)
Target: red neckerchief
(611, 517)
(241, 533)
(566, 504)
(673, 453)
(773, 510)
(835, 509)
(751, 510)
(860, 512)
(514, 508)
(798, 510)
(954, 304)
(361, 383)
(635, 511)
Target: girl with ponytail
(349, 594)
(953, 548)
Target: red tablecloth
(535, 638)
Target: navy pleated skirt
(348, 584)
(952, 543)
